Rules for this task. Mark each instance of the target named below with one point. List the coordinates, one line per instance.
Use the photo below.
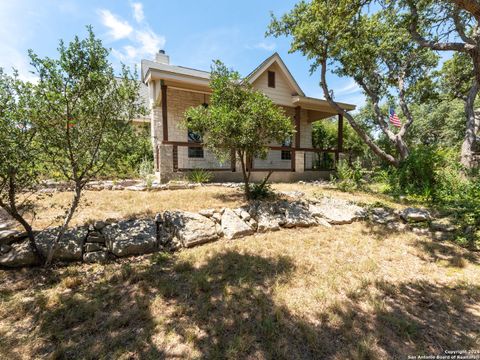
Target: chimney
(162, 58)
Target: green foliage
(261, 191)
(19, 148)
(200, 176)
(83, 109)
(133, 151)
(238, 119)
(349, 177)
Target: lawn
(354, 291)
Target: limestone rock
(323, 222)
(381, 216)
(7, 236)
(269, 217)
(68, 249)
(444, 224)
(233, 226)
(297, 215)
(91, 247)
(337, 211)
(4, 248)
(207, 212)
(190, 228)
(415, 215)
(95, 257)
(20, 254)
(131, 237)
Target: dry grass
(347, 292)
(351, 291)
(106, 204)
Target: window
(271, 79)
(286, 154)
(194, 152)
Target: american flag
(394, 120)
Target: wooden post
(164, 112)
(297, 126)
(293, 160)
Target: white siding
(282, 93)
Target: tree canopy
(238, 119)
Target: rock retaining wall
(171, 230)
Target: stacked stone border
(104, 241)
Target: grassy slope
(352, 291)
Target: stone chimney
(162, 58)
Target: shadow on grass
(435, 250)
(226, 308)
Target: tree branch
(363, 135)
(439, 46)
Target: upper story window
(271, 79)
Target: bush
(261, 191)
(349, 177)
(200, 176)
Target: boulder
(415, 215)
(444, 224)
(136, 188)
(382, 216)
(233, 226)
(20, 254)
(95, 257)
(207, 212)
(336, 211)
(269, 217)
(68, 249)
(298, 215)
(323, 222)
(190, 228)
(99, 225)
(8, 236)
(131, 237)
(4, 248)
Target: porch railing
(280, 158)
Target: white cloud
(350, 88)
(143, 42)
(265, 46)
(138, 11)
(119, 29)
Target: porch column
(339, 138)
(295, 152)
(164, 112)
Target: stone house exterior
(173, 89)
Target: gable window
(286, 154)
(271, 79)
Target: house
(173, 89)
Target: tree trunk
(66, 221)
(469, 141)
(246, 177)
(358, 129)
(12, 210)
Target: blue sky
(192, 33)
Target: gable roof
(275, 58)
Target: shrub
(349, 177)
(200, 176)
(261, 191)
